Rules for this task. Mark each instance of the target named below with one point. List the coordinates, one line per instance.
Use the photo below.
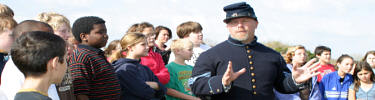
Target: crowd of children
(48, 59)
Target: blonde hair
(53, 19)
(7, 23)
(179, 44)
(130, 39)
(291, 52)
(5, 11)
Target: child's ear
(177, 50)
(52, 63)
(337, 64)
(129, 48)
(317, 56)
(83, 36)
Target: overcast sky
(346, 26)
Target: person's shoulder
(204, 46)
(189, 66)
(81, 53)
(30, 96)
(350, 76)
(330, 75)
(334, 73)
(170, 65)
(173, 65)
(152, 53)
(86, 51)
(331, 67)
(217, 47)
(266, 48)
(124, 64)
(351, 86)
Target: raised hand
(304, 73)
(230, 76)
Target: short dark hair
(85, 25)
(30, 25)
(32, 51)
(159, 28)
(320, 49)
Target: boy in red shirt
(323, 53)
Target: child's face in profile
(140, 49)
(196, 37)
(364, 75)
(186, 52)
(345, 65)
(98, 36)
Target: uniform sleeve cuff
(226, 88)
(299, 85)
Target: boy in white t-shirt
(193, 32)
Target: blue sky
(344, 25)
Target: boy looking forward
(93, 76)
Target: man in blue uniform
(256, 69)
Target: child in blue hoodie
(137, 81)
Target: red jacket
(154, 61)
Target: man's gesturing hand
(230, 76)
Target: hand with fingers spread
(304, 73)
(230, 76)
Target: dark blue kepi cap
(236, 10)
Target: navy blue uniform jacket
(265, 70)
(133, 76)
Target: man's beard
(243, 38)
